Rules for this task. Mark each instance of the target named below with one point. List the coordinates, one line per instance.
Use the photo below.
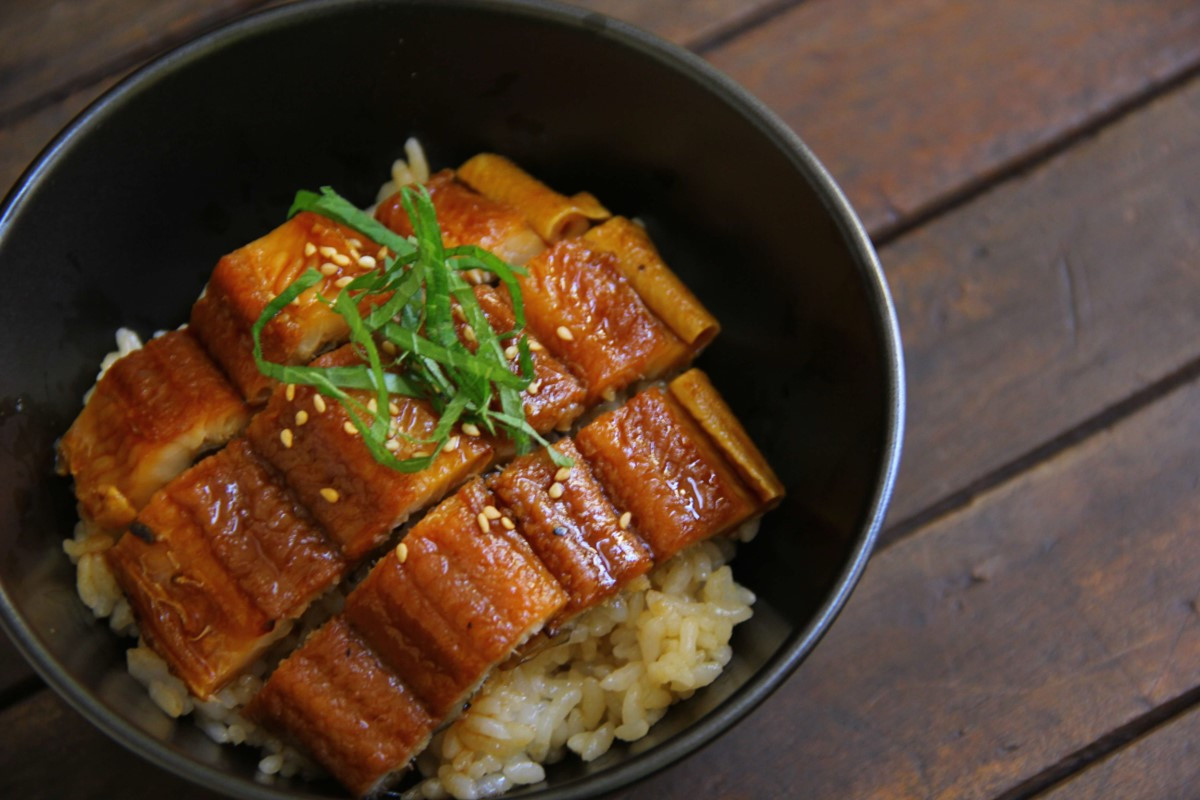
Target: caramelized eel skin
(468, 218)
(655, 460)
(248, 279)
(340, 703)
(581, 307)
(578, 536)
(216, 561)
(559, 397)
(417, 636)
(148, 418)
(372, 498)
(554, 216)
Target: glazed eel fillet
(301, 495)
(482, 572)
(159, 408)
(156, 410)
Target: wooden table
(1030, 172)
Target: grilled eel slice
(468, 584)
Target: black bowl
(124, 215)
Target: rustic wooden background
(1030, 172)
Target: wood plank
(1019, 310)
(21, 142)
(54, 49)
(57, 48)
(997, 641)
(686, 22)
(48, 751)
(908, 103)
(1163, 763)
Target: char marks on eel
(151, 414)
(486, 569)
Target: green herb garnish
(414, 313)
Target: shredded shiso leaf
(410, 304)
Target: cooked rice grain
(611, 677)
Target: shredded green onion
(411, 300)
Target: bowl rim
(690, 66)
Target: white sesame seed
(372, 405)
(341, 259)
(301, 418)
(562, 474)
(609, 394)
(328, 269)
(343, 282)
(393, 409)
(507, 523)
(625, 519)
(470, 429)
(366, 262)
(402, 552)
(564, 333)
(349, 428)
(535, 346)
(556, 490)
(354, 243)
(392, 444)
(451, 444)
(511, 352)
(482, 520)
(330, 494)
(285, 436)
(327, 251)
(534, 387)
(491, 512)
(469, 334)
(309, 248)
(318, 402)
(383, 251)
(289, 392)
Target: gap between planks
(124, 62)
(1058, 775)
(982, 184)
(1107, 418)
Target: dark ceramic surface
(121, 220)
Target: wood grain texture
(908, 103)
(1049, 299)
(51, 50)
(20, 142)
(998, 640)
(55, 49)
(1164, 763)
(47, 751)
(686, 22)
